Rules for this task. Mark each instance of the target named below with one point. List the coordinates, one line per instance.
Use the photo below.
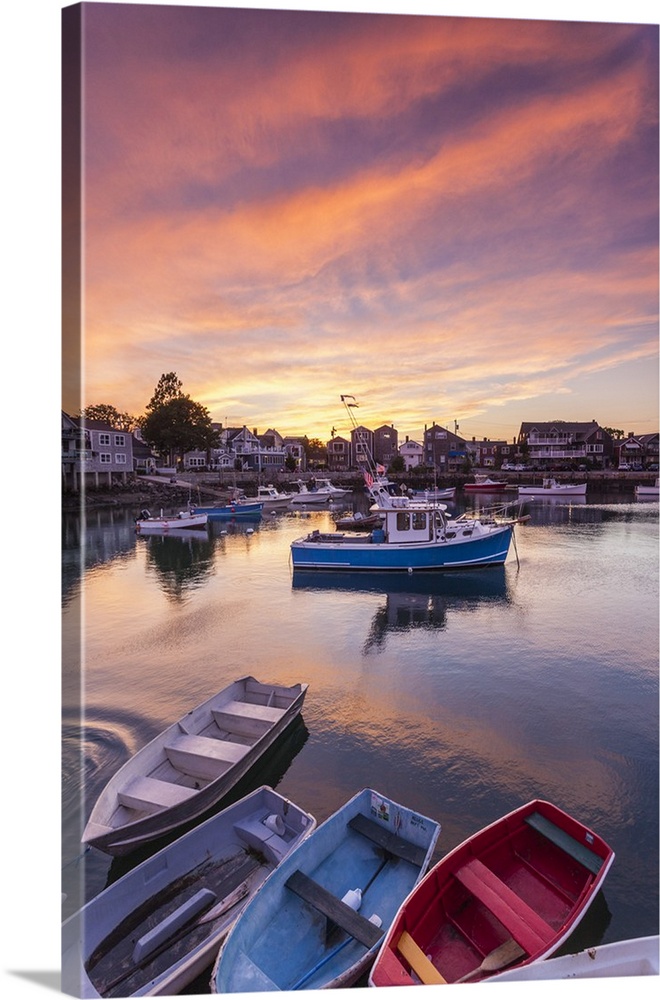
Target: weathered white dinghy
(636, 957)
(192, 765)
(153, 931)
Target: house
(485, 453)
(295, 447)
(386, 444)
(94, 453)
(339, 454)
(637, 450)
(443, 450)
(412, 454)
(362, 447)
(143, 457)
(556, 442)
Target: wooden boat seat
(422, 966)
(579, 852)
(202, 756)
(529, 929)
(397, 846)
(244, 719)
(334, 909)
(151, 795)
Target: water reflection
(413, 601)
(180, 563)
(90, 539)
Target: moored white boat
(316, 492)
(433, 494)
(185, 520)
(550, 487)
(318, 920)
(272, 499)
(648, 489)
(508, 896)
(635, 957)
(191, 765)
(415, 535)
(155, 929)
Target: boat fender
(275, 823)
(353, 898)
(375, 920)
(144, 513)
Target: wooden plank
(526, 926)
(246, 710)
(332, 907)
(397, 846)
(417, 960)
(579, 852)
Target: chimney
(407, 439)
(255, 432)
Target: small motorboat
(648, 490)
(433, 494)
(358, 522)
(191, 765)
(155, 929)
(318, 920)
(241, 507)
(484, 484)
(635, 957)
(508, 896)
(272, 499)
(186, 520)
(552, 488)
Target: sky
(453, 219)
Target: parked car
(624, 467)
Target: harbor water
(460, 695)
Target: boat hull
(635, 957)
(124, 818)
(231, 510)
(527, 879)
(569, 490)
(98, 941)
(283, 941)
(175, 524)
(332, 552)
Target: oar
(497, 959)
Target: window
(419, 520)
(120, 441)
(120, 459)
(106, 458)
(104, 439)
(402, 521)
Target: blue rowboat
(415, 535)
(319, 919)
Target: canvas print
(360, 448)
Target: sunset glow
(451, 218)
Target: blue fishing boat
(318, 920)
(415, 535)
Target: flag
(380, 469)
(369, 479)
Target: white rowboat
(636, 957)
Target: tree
(397, 464)
(290, 463)
(107, 414)
(614, 432)
(175, 423)
(169, 387)
(315, 450)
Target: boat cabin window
(403, 520)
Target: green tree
(290, 463)
(614, 432)
(175, 423)
(315, 451)
(397, 464)
(109, 415)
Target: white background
(30, 173)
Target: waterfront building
(555, 442)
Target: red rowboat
(508, 896)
